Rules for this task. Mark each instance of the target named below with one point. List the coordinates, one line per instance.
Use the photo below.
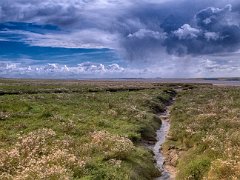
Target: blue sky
(119, 38)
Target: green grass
(79, 130)
(205, 129)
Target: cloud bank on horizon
(119, 38)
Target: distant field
(205, 134)
(78, 129)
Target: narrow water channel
(161, 138)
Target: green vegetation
(78, 129)
(205, 133)
(53, 129)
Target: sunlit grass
(205, 124)
(88, 131)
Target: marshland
(69, 129)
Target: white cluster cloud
(187, 32)
(11, 69)
(83, 70)
(183, 67)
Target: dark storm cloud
(189, 27)
(223, 21)
(139, 29)
(211, 17)
(214, 30)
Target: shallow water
(161, 138)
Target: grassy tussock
(205, 128)
(38, 156)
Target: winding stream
(161, 137)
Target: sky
(119, 38)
